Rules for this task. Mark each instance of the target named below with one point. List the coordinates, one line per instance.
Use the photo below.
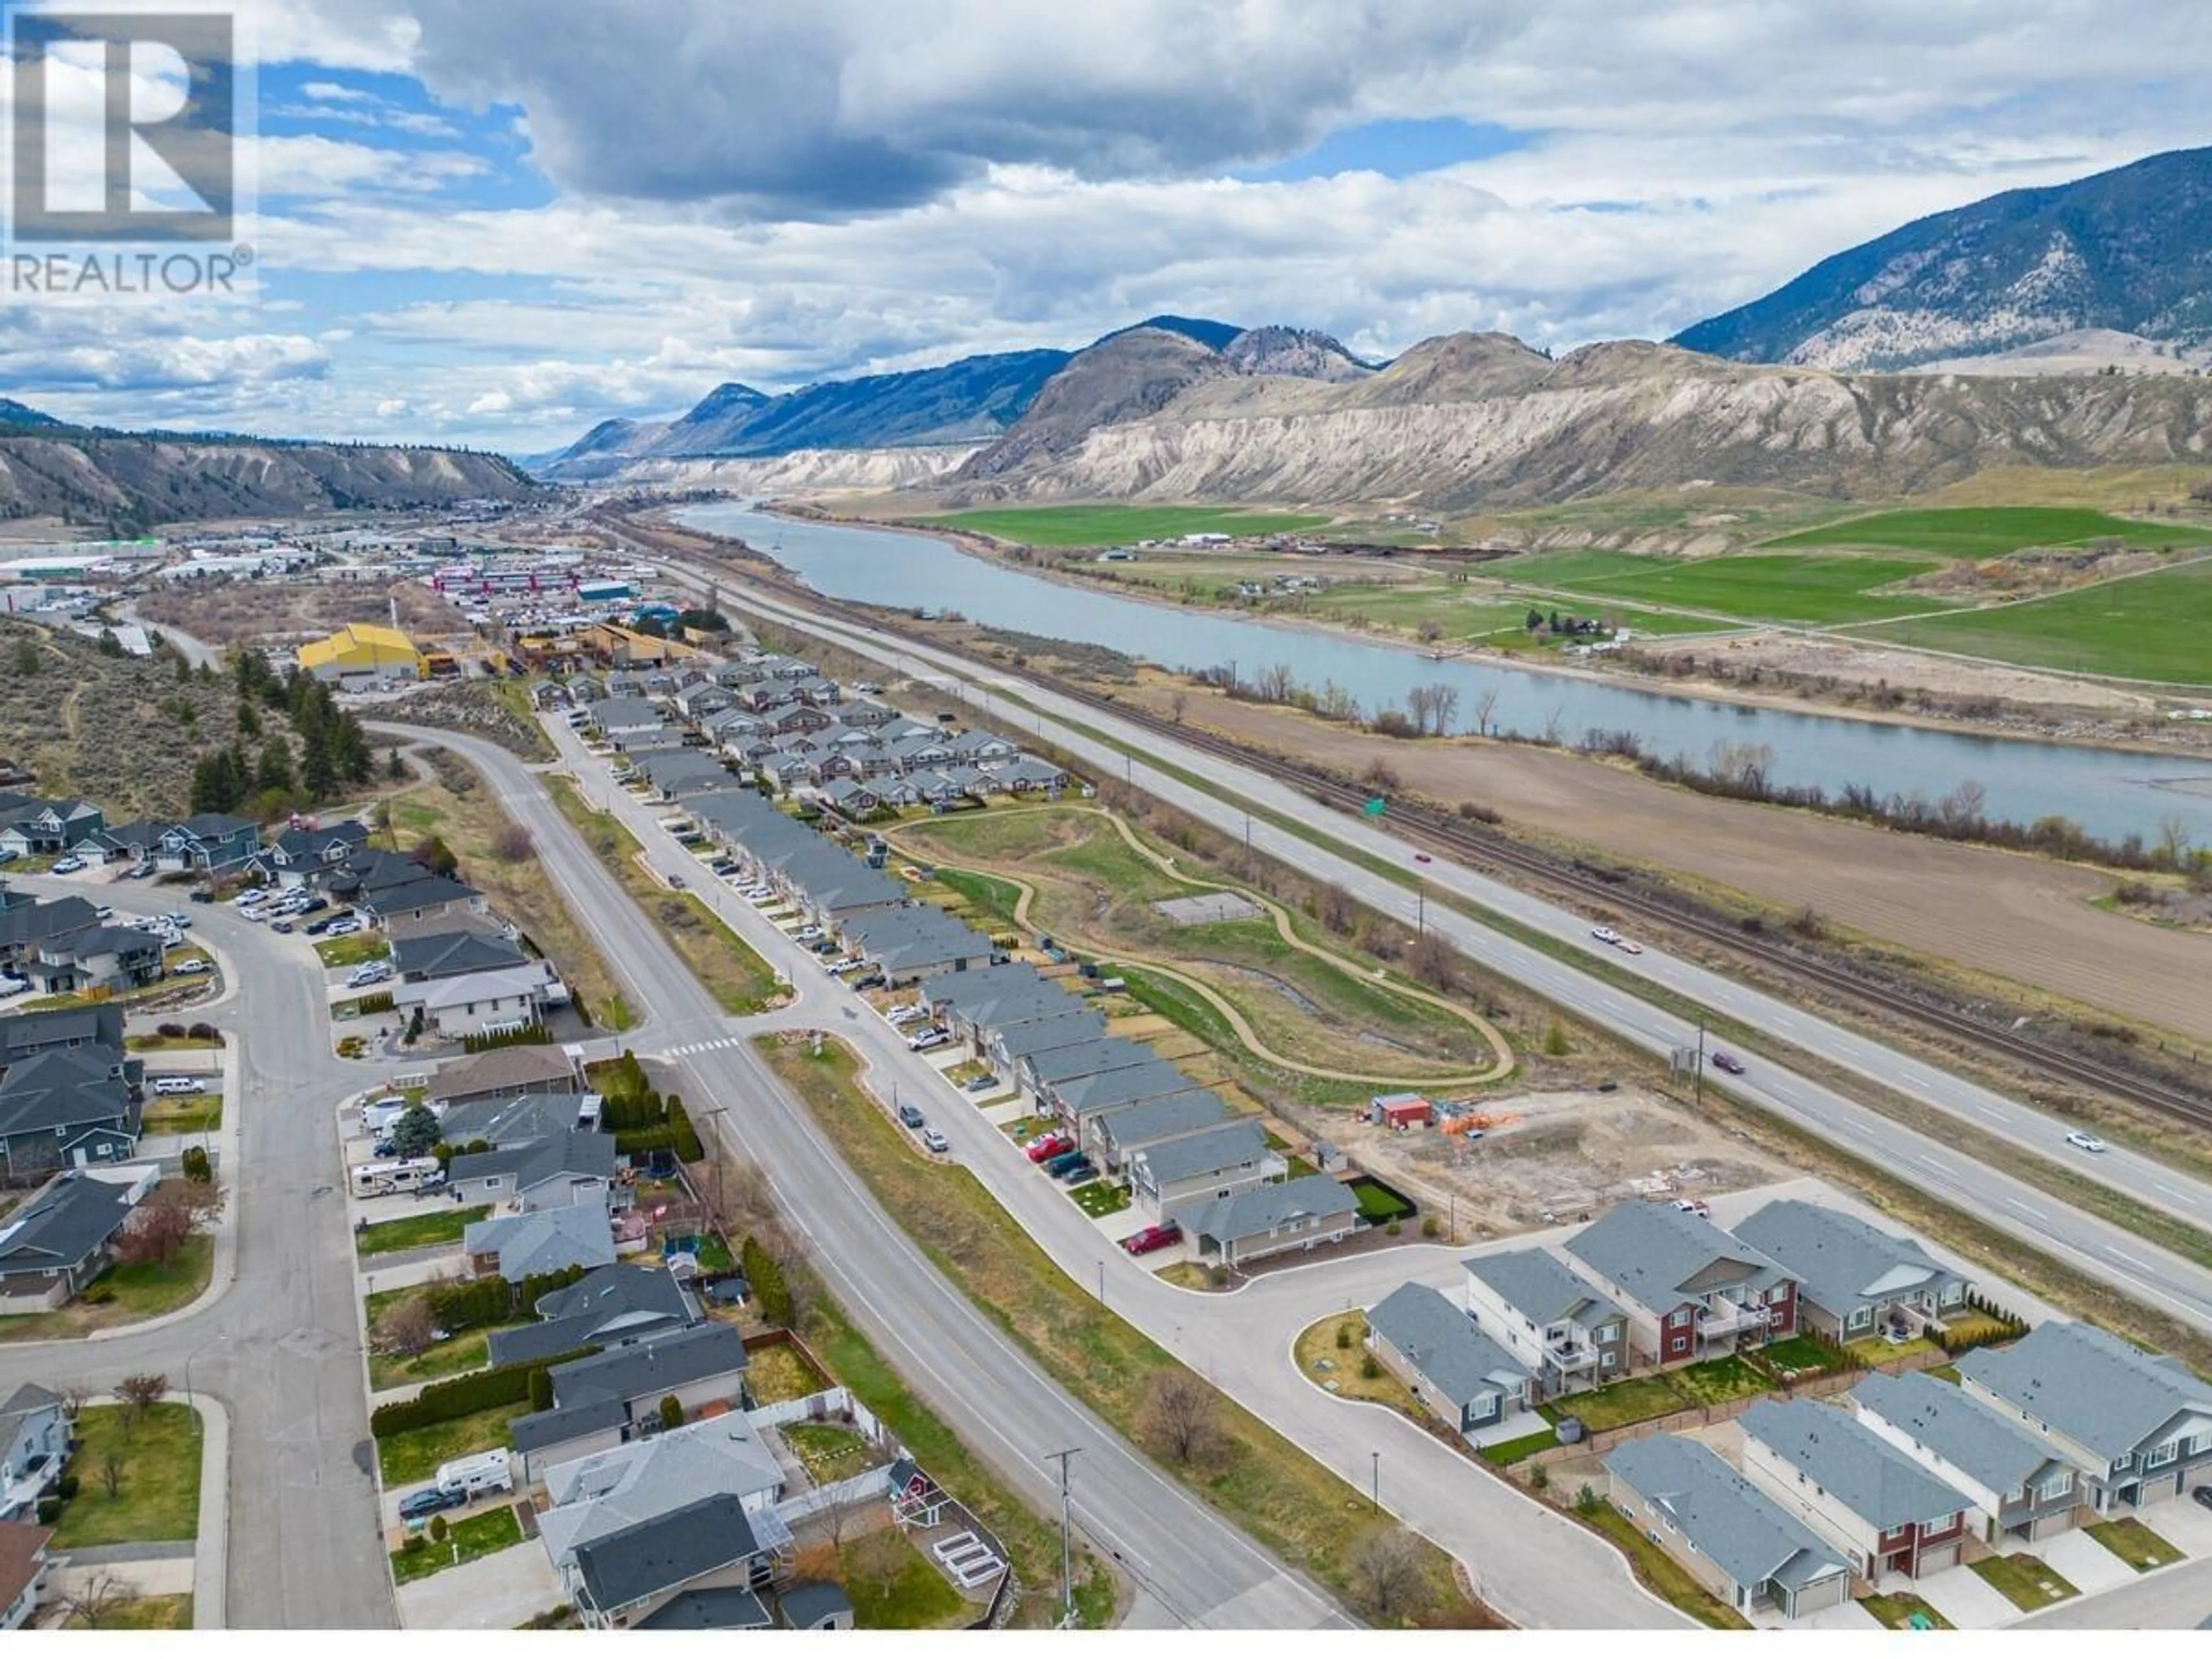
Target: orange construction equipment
(1484, 1120)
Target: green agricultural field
(2144, 627)
(1781, 588)
(1108, 526)
(1569, 570)
(1980, 532)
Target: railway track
(1439, 834)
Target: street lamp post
(1067, 1570)
(1375, 1492)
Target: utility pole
(1067, 1570)
(721, 1152)
(1420, 911)
(1700, 1084)
(1248, 832)
(1102, 1281)
(1375, 1491)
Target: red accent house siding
(1678, 1336)
(1783, 1302)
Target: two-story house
(34, 1437)
(303, 850)
(2136, 1426)
(1691, 1291)
(1453, 1369)
(213, 843)
(1885, 1512)
(2017, 1481)
(23, 1571)
(1549, 1317)
(1217, 1163)
(1854, 1280)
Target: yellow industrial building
(362, 653)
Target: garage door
(1831, 1592)
(1935, 1560)
(2048, 1526)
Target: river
(2111, 792)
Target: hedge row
(464, 1396)
(765, 1275)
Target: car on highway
(192, 965)
(1631, 947)
(2086, 1141)
(935, 1141)
(1051, 1144)
(69, 866)
(935, 1038)
(1725, 1062)
(1423, 858)
(910, 1115)
(417, 1505)
(1145, 1240)
(1604, 936)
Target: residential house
(63, 1237)
(623, 717)
(1289, 1215)
(1217, 1163)
(102, 958)
(1078, 1100)
(68, 1106)
(1114, 1134)
(503, 1001)
(26, 931)
(2136, 1426)
(609, 1307)
(1690, 1290)
(450, 954)
(916, 943)
(1549, 1317)
(32, 828)
(851, 799)
(1734, 1539)
(682, 772)
(1854, 1280)
(1026, 774)
(23, 1571)
(413, 901)
(304, 850)
(575, 1167)
(867, 713)
(974, 748)
(510, 1119)
(974, 783)
(22, 1036)
(1066, 1062)
(702, 1367)
(520, 1247)
(1885, 1513)
(2017, 1481)
(676, 1570)
(502, 1074)
(35, 1437)
(214, 843)
(1455, 1371)
(1034, 1028)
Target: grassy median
(1310, 1517)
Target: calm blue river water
(2110, 792)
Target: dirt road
(2022, 918)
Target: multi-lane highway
(280, 1347)
(2157, 1277)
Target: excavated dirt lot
(1872, 665)
(1569, 1153)
(2020, 918)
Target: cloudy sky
(496, 222)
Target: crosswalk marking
(690, 1048)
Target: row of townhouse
(60, 947)
(70, 1095)
(1911, 1475)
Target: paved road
(280, 1348)
(2159, 1278)
(1537, 1568)
(1202, 1568)
(2176, 1598)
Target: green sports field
(1980, 532)
(1110, 527)
(2157, 627)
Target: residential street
(1539, 1568)
(279, 1347)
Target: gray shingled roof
(1105, 1054)
(542, 1240)
(1839, 1261)
(1732, 1524)
(1664, 1256)
(1125, 1085)
(645, 1559)
(1856, 1467)
(1538, 1284)
(1440, 1341)
(572, 1152)
(1977, 1439)
(622, 1303)
(1249, 1213)
(63, 1226)
(655, 1366)
(2088, 1385)
(725, 1608)
(508, 1120)
(1231, 1146)
(565, 1422)
(1161, 1118)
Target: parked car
(1696, 1206)
(807, 934)
(344, 926)
(1145, 1240)
(249, 897)
(316, 929)
(906, 1013)
(69, 866)
(870, 983)
(369, 973)
(2086, 1141)
(1725, 1062)
(317, 902)
(1051, 1144)
(910, 1115)
(1604, 936)
(935, 1038)
(427, 1501)
(2202, 1495)
(201, 896)
(935, 1141)
(1074, 1170)
(9, 856)
(192, 965)
(844, 965)
(981, 1085)
(141, 870)
(675, 882)
(10, 986)
(279, 926)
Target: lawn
(443, 1225)
(1100, 1198)
(740, 980)
(1714, 1382)
(1796, 1353)
(140, 1292)
(829, 1453)
(1287, 1502)
(413, 1455)
(1342, 1371)
(777, 1372)
(1377, 1206)
(2022, 1580)
(1872, 1350)
(182, 1115)
(1979, 532)
(1662, 1575)
(143, 1612)
(464, 1353)
(1105, 526)
(915, 1597)
(157, 1498)
(1632, 1400)
(352, 949)
(1782, 587)
(2135, 1543)
(2151, 627)
(1945, 1373)
(466, 1540)
(1897, 1612)
(1506, 1452)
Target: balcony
(1569, 1354)
(1723, 1317)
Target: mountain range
(2126, 253)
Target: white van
(403, 1175)
(180, 1085)
(473, 1477)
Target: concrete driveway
(2087, 1566)
(1967, 1600)
(495, 1592)
(1848, 1616)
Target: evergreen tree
(394, 767)
(275, 771)
(249, 719)
(318, 772)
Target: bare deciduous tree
(1181, 1419)
(111, 1472)
(139, 1392)
(1386, 1580)
(97, 1600)
(1434, 963)
(1276, 683)
(1486, 711)
(407, 1325)
(156, 1232)
(1176, 705)
(512, 843)
(879, 1557)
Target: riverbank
(2031, 705)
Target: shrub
(1587, 1502)
(685, 1137)
(1555, 1039)
(463, 1396)
(1539, 1477)
(196, 1168)
(169, 1029)
(438, 1528)
(99, 1296)
(1431, 1227)
(414, 1545)
(765, 1274)
(628, 1142)
(201, 1032)
(1392, 1228)
(376, 1002)
(50, 1510)
(486, 1301)
(1344, 1334)
(66, 1487)
(1370, 1367)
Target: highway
(1199, 1568)
(2159, 1278)
(280, 1346)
